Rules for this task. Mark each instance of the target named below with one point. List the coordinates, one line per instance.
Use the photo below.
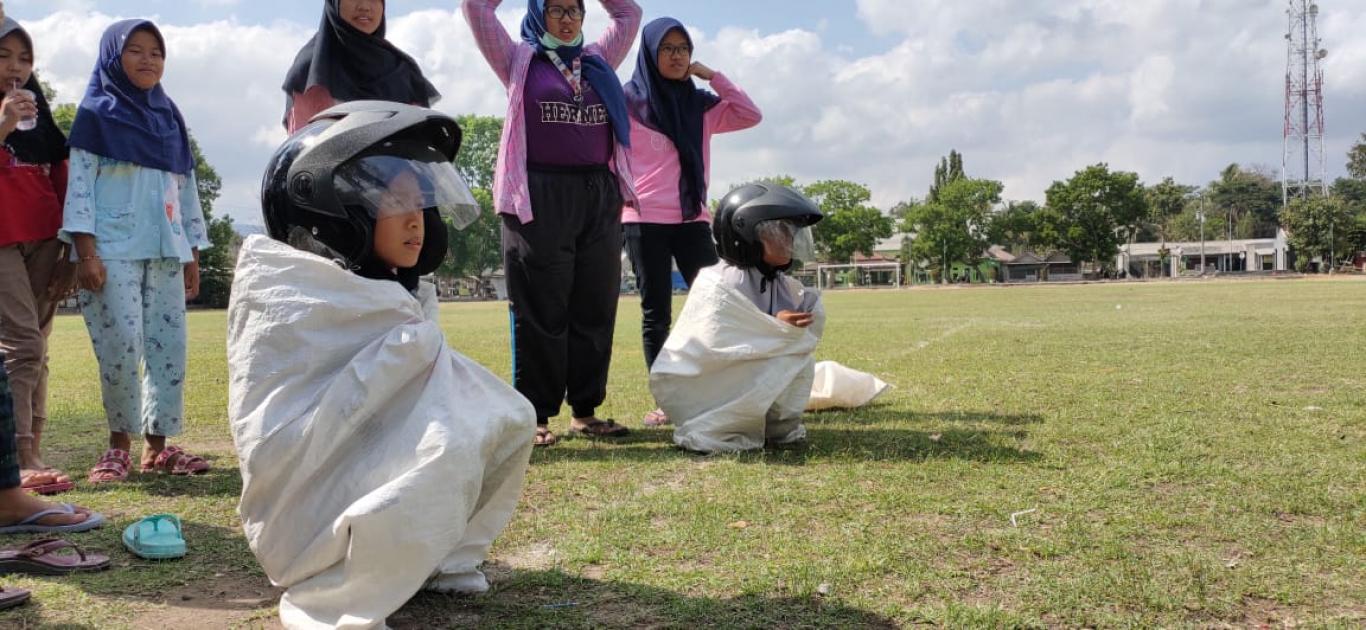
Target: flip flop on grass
(31, 525)
(12, 597)
(156, 537)
(44, 557)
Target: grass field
(1189, 454)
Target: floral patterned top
(134, 212)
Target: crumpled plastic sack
(374, 457)
(730, 376)
(838, 387)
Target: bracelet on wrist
(85, 258)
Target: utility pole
(1201, 216)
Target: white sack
(731, 376)
(840, 387)
(374, 457)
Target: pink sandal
(176, 461)
(113, 466)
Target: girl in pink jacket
(672, 123)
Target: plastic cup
(29, 123)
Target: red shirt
(31, 197)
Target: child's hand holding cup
(21, 104)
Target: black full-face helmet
(736, 225)
(328, 184)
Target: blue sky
(873, 91)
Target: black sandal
(600, 428)
(544, 437)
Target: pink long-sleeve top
(308, 104)
(510, 60)
(654, 158)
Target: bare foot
(41, 477)
(154, 445)
(17, 505)
(29, 456)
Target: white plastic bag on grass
(732, 377)
(374, 457)
(840, 387)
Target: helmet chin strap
(770, 273)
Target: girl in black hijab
(349, 59)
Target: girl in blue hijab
(672, 122)
(132, 211)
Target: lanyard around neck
(574, 76)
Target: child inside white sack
(376, 461)
(737, 369)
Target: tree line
(1090, 216)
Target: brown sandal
(43, 557)
(544, 437)
(12, 597)
(600, 428)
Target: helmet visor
(387, 186)
(786, 238)
(804, 246)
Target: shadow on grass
(823, 444)
(221, 480)
(555, 599)
(884, 413)
(217, 579)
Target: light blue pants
(137, 325)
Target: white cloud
(1028, 91)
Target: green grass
(1195, 454)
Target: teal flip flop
(148, 539)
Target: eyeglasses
(670, 51)
(560, 13)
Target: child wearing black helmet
(376, 461)
(736, 371)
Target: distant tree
(1352, 193)
(216, 263)
(1166, 201)
(957, 226)
(1241, 192)
(1356, 160)
(64, 114)
(1090, 215)
(1319, 227)
(851, 225)
(1016, 227)
(950, 169)
(476, 249)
